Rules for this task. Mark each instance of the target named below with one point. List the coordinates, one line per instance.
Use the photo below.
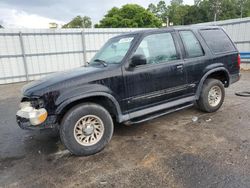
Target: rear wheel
(212, 95)
(86, 129)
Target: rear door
(196, 58)
(204, 50)
(162, 79)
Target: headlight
(35, 116)
(38, 116)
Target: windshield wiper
(101, 61)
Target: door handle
(179, 67)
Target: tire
(212, 89)
(89, 139)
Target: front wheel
(212, 95)
(86, 129)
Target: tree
(215, 6)
(247, 9)
(244, 7)
(129, 15)
(79, 22)
(176, 12)
(197, 14)
(228, 10)
(177, 2)
(152, 8)
(1, 27)
(197, 2)
(224, 9)
(180, 14)
(160, 10)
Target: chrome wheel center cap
(88, 130)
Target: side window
(217, 40)
(158, 48)
(191, 44)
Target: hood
(57, 80)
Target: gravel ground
(171, 151)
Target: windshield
(113, 51)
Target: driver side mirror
(137, 60)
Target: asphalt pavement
(185, 149)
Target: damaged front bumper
(30, 118)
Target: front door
(161, 79)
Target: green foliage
(128, 16)
(79, 22)
(152, 8)
(160, 10)
(246, 11)
(197, 2)
(196, 14)
(202, 11)
(177, 13)
(226, 9)
(177, 2)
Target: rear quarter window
(217, 40)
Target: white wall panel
(40, 46)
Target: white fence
(28, 54)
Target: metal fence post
(84, 47)
(24, 56)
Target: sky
(39, 13)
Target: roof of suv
(174, 28)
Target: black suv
(133, 78)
